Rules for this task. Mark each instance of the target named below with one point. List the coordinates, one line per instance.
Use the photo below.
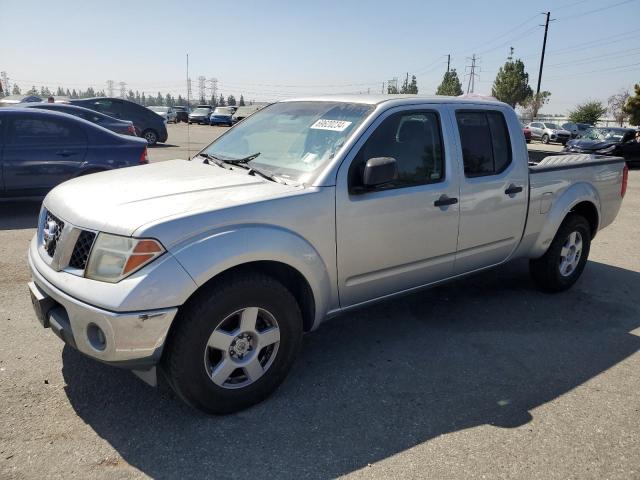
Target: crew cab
(209, 271)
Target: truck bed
(563, 162)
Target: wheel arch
(581, 198)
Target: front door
(494, 188)
(41, 151)
(400, 235)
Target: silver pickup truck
(209, 271)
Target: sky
(269, 50)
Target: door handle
(444, 201)
(512, 190)
(65, 153)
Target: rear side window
(45, 131)
(486, 147)
(107, 107)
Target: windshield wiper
(212, 158)
(241, 161)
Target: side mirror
(378, 171)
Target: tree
(68, 93)
(231, 100)
(16, 89)
(512, 82)
(138, 99)
(450, 84)
(393, 89)
(221, 102)
(632, 107)
(241, 102)
(409, 87)
(143, 100)
(532, 105)
(169, 101)
(616, 105)
(588, 112)
(74, 94)
(45, 92)
(180, 101)
(159, 99)
(131, 96)
(60, 92)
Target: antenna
(188, 108)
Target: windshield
(294, 139)
(201, 110)
(552, 126)
(601, 134)
(159, 109)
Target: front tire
(234, 343)
(561, 266)
(545, 139)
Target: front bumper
(131, 340)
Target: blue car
(40, 149)
(221, 116)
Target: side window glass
(486, 148)
(415, 141)
(37, 131)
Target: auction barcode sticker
(335, 125)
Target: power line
(589, 12)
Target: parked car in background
(527, 133)
(201, 114)
(618, 142)
(576, 129)
(148, 125)
(243, 112)
(212, 269)
(548, 132)
(123, 127)
(182, 113)
(221, 116)
(42, 148)
(11, 100)
(167, 113)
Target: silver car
(213, 269)
(548, 132)
(168, 113)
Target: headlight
(114, 257)
(607, 150)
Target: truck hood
(121, 201)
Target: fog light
(96, 337)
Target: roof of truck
(396, 99)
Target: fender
(577, 193)
(214, 252)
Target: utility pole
(536, 105)
(472, 73)
(110, 87)
(544, 47)
(448, 62)
(382, 88)
(123, 89)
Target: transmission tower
(123, 89)
(472, 73)
(392, 85)
(110, 87)
(5, 82)
(201, 88)
(213, 86)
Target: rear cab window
(485, 142)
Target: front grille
(81, 251)
(52, 229)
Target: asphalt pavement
(481, 378)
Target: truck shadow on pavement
(485, 350)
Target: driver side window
(414, 140)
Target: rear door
(41, 151)
(536, 130)
(494, 187)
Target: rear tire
(561, 266)
(150, 136)
(213, 325)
